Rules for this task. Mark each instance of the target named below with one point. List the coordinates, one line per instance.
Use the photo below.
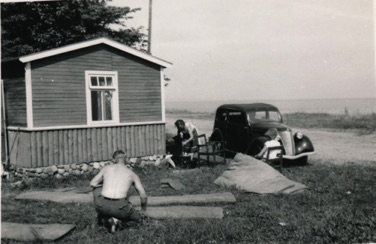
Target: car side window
(222, 115)
(236, 117)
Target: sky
(262, 49)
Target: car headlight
(299, 135)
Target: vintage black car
(242, 128)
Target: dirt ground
(331, 146)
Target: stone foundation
(93, 168)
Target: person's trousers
(121, 209)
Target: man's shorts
(121, 209)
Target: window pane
(96, 105)
(108, 105)
(109, 81)
(101, 81)
(274, 116)
(93, 81)
(260, 115)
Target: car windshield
(264, 115)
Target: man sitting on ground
(111, 186)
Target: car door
(237, 131)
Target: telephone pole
(150, 20)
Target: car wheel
(256, 146)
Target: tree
(30, 27)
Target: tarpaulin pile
(251, 175)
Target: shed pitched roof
(103, 40)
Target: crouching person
(111, 186)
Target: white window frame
(115, 97)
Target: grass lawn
(338, 206)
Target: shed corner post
(4, 125)
(163, 101)
(29, 96)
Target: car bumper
(292, 157)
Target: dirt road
(330, 146)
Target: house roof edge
(102, 40)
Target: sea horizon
(352, 106)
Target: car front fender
(303, 145)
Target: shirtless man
(111, 186)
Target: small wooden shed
(81, 102)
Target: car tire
(256, 146)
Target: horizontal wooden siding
(54, 147)
(58, 86)
(15, 101)
(140, 88)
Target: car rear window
(236, 117)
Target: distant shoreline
(352, 106)
(365, 123)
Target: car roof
(248, 106)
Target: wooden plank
(117, 137)
(154, 136)
(123, 138)
(143, 140)
(159, 135)
(39, 148)
(133, 141)
(89, 145)
(99, 144)
(45, 145)
(34, 148)
(111, 147)
(105, 141)
(72, 196)
(184, 212)
(22, 150)
(34, 232)
(114, 136)
(61, 146)
(74, 146)
(56, 149)
(70, 146)
(66, 146)
(147, 139)
(221, 197)
(128, 140)
(84, 145)
(94, 148)
(163, 140)
(79, 145)
(50, 148)
(139, 142)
